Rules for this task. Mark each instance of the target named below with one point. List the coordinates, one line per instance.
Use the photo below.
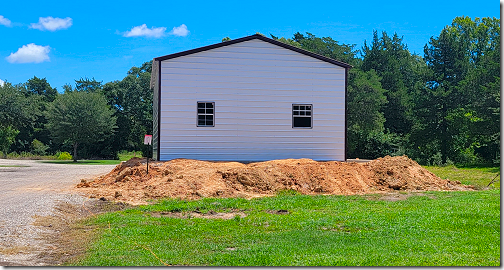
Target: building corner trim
(158, 154)
(346, 113)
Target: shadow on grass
(83, 162)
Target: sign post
(148, 141)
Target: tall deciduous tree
(13, 106)
(19, 111)
(328, 47)
(482, 87)
(41, 87)
(365, 99)
(84, 85)
(131, 99)
(88, 85)
(451, 105)
(80, 117)
(39, 92)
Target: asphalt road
(33, 189)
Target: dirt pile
(193, 179)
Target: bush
(38, 147)
(374, 145)
(64, 156)
(467, 156)
(28, 155)
(287, 192)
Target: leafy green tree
(80, 117)
(88, 85)
(131, 99)
(7, 138)
(328, 47)
(84, 85)
(67, 88)
(41, 87)
(226, 39)
(447, 62)
(13, 106)
(390, 58)
(286, 41)
(365, 98)
(40, 93)
(482, 87)
(461, 96)
(19, 112)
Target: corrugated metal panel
(253, 85)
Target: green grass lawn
(428, 229)
(123, 156)
(480, 177)
(83, 162)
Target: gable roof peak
(251, 37)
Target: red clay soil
(195, 179)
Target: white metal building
(249, 99)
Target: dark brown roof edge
(256, 36)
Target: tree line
(440, 108)
(437, 108)
(98, 120)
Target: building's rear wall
(253, 85)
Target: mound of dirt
(194, 179)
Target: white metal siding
(253, 84)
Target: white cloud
(30, 53)
(180, 31)
(142, 30)
(4, 21)
(2, 82)
(52, 24)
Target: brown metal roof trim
(256, 36)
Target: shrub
(374, 145)
(287, 192)
(39, 148)
(64, 156)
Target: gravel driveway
(33, 188)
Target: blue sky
(66, 40)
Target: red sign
(148, 139)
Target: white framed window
(302, 116)
(205, 114)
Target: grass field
(420, 229)
(83, 162)
(123, 156)
(479, 177)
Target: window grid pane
(206, 115)
(301, 115)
